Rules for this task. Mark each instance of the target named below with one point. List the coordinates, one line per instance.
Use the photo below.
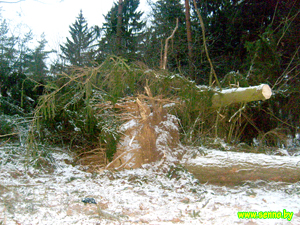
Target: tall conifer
(36, 64)
(128, 44)
(78, 50)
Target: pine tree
(13, 50)
(128, 44)
(79, 50)
(17, 94)
(36, 65)
(119, 26)
(7, 56)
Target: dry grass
(277, 138)
(94, 159)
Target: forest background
(249, 42)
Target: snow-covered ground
(154, 194)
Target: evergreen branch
(287, 26)
(285, 73)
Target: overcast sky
(53, 17)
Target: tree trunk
(235, 168)
(189, 39)
(119, 27)
(236, 95)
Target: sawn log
(235, 168)
(245, 94)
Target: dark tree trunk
(189, 38)
(119, 27)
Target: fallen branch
(6, 135)
(118, 158)
(2, 144)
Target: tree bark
(189, 38)
(235, 168)
(119, 27)
(165, 60)
(237, 95)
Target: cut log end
(266, 91)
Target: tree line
(248, 42)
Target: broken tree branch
(166, 46)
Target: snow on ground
(154, 194)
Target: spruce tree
(78, 50)
(17, 94)
(36, 65)
(7, 56)
(131, 31)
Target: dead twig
(4, 142)
(6, 135)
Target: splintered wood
(149, 131)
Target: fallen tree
(235, 168)
(86, 109)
